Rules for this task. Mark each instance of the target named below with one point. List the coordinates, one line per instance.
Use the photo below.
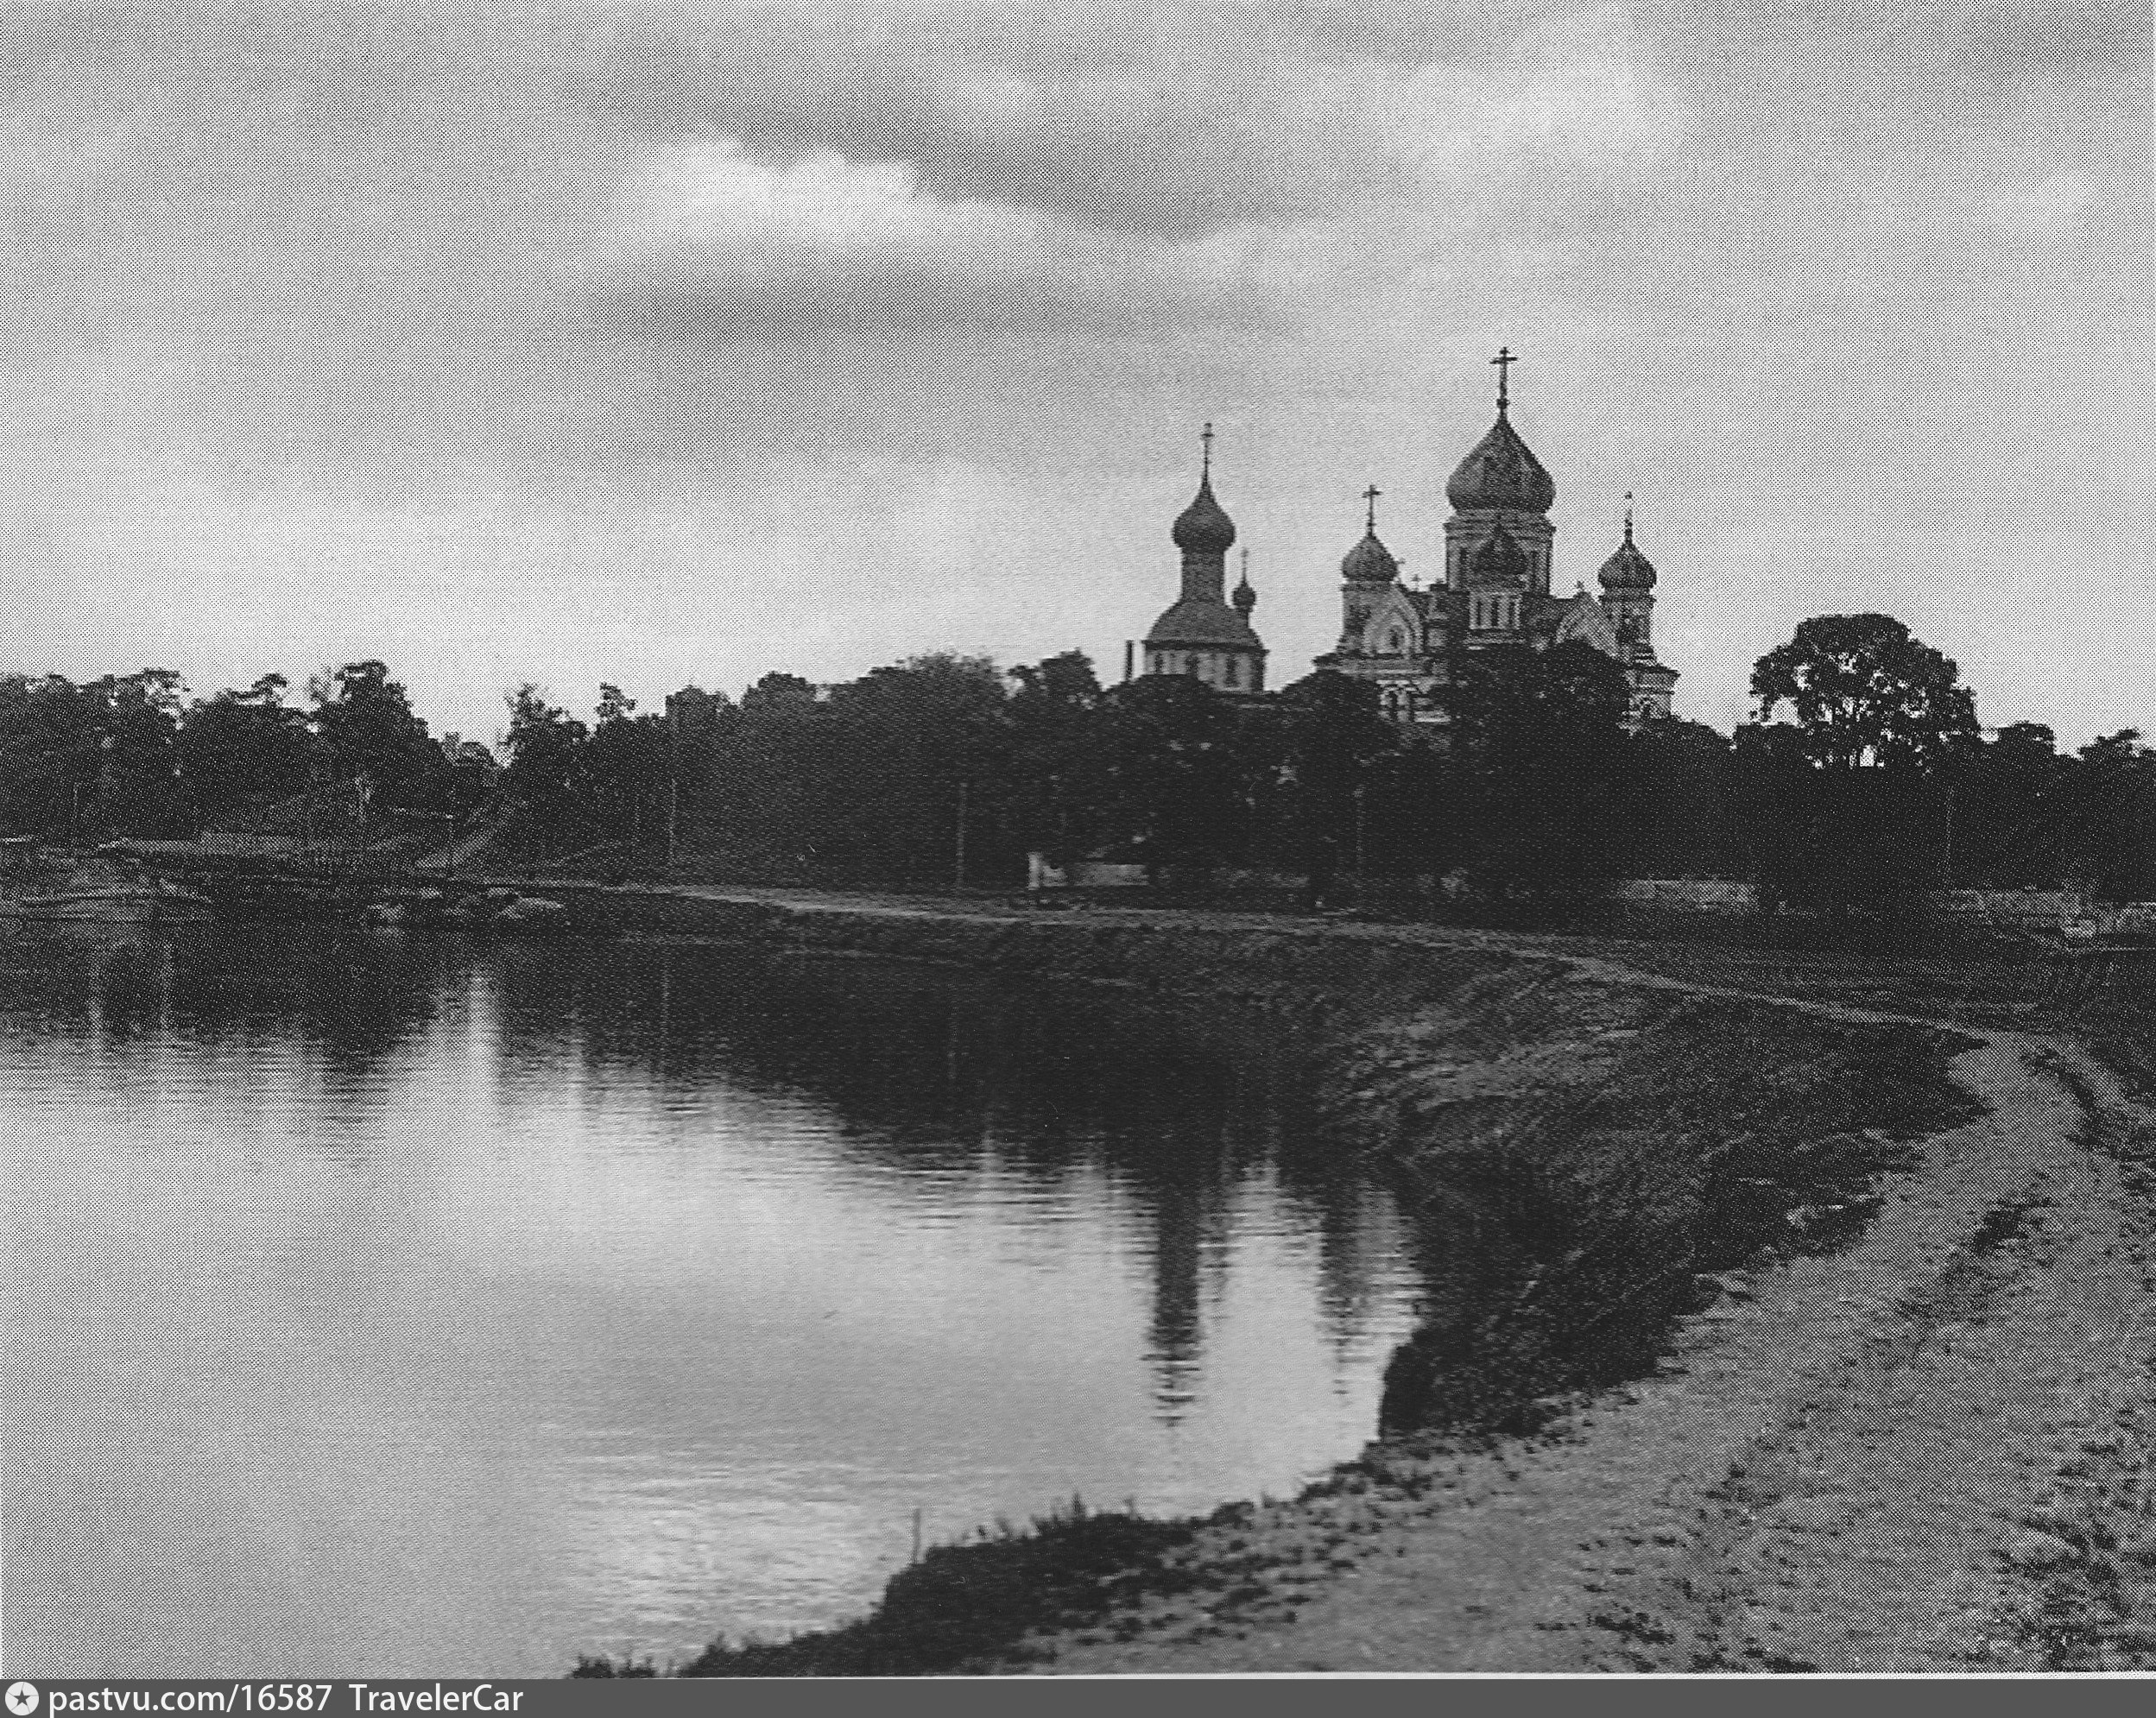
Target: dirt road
(1928, 1451)
(1925, 1453)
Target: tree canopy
(371, 737)
(1863, 690)
(1545, 789)
(1865, 782)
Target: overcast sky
(672, 343)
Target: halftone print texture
(624, 1040)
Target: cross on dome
(1504, 361)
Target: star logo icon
(22, 1699)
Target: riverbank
(1815, 1288)
(1925, 1452)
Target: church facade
(1496, 591)
(1199, 634)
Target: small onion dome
(1204, 526)
(1242, 596)
(1369, 562)
(1627, 569)
(1499, 559)
(1500, 474)
(1201, 621)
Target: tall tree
(2109, 805)
(1331, 739)
(624, 773)
(700, 804)
(1542, 734)
(240, 750)
(51, 755)
(761, 801)
(546, 746)
(1678, 776)
(2009, 810)
(373, 743)
(1863, 690)
(914, 774)
(1167, 774)
(1884, 722)
(1774, 813)
(1053, 724)
(141, 790)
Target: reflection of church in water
(1400, 636)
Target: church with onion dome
(1200, 634)
(1496, 591)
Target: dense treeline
(1866, 781)
(129, 755)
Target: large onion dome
(1501, 472)
(1627, 569)
(1369, 562)
(1204, 526)
(1498, 558)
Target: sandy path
(1928, 1452)
(1863, 1462)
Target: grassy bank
(1587, 1159)
(1606, 1154)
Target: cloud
(709, 197)
(1179, 189)
(293, 236)
(522, 339)
(707, 242)
(1575, 89)
(1233, 134)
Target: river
(389, 1304)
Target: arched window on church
(1231, 676)
(1395, 642)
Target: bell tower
(1627, 594)
(1200, 634)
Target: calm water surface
(398, 1305)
